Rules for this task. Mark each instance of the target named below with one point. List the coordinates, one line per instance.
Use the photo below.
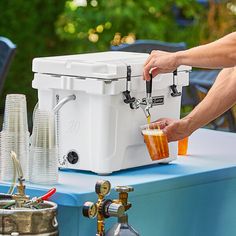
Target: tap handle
(149, 85)
(124, 189)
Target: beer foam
(155, 132)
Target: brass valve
(20, 197)
(123, 196)
(105, 208)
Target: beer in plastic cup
(156, 142)
(183, 146)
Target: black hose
(4, 196)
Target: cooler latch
(128, 99)
(173, 87)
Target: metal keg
(29, 221)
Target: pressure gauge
(103, 187)
(90, 210)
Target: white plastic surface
(98, 125)
(103, 65)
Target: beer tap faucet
(145, 103)
(134, 103)
(148, 97)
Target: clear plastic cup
(43, 165)
(156, 142)
(15, 113)
(10, 141)
(183, 146)
(14, 136)
(43, 149)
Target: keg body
(29, 221)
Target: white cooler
(98, 131)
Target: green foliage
(94, 26)
(55, 27)
(30, 25)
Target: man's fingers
(155, 72)
(161, 119)
(148, 59)
(164, 119)
(153, 54)
(168, 133)
(158, 125)
(147, 69)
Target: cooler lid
(102, 65)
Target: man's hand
(160, 62)
(174, 129)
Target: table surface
(211, 157)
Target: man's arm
(219, 99)
(218, 54)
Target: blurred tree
(220, 20)
(30, 25)
(43, 28)
(95, 24)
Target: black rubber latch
(128, 99)
(175, 92)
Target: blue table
(193, 196)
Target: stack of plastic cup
(43, 149)
(14, 136)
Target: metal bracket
(175, 92)
(128, 99)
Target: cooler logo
(156, 100)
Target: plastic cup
(157, 143)
(15, 113)
(14, 136)
(19, 143)
(183, 146)
(43, 162)
(43, 149)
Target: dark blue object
(7, 51)
(202, 80)
(147, 46)
(203, 2)
(180, 16)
